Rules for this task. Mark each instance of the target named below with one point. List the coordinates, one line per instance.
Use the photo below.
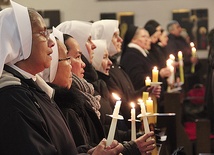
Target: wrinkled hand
(155, 90)
(145, 143)
(165, 72)
(114, 149)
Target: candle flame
(132, 105)
(149, 98)
(116, 96)
(171, 56)
(180, 53)
(140, 101)
(147, 78)
(192, 44)
(169, 62)
(193, 49)
(155, 68)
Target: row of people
(31, 122)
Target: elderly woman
(64, 66)
(76, 110)
(119, 81)
(86, 47)
(31, 123)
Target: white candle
(155, 74)
(169, 65)
(111, 133)
(171, 78)
(192, 44)
(145, 120)
(172, 57)
(148, 81)
(133, 122)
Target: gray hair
(171, 24)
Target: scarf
(87, 90)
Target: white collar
(24, 73)
(132, 45)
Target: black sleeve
(131, 148)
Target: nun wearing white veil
(30, 121)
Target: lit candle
(172, 57)
(150, 109)
(192, 44)
(111, 133)
(148, 81)
(169, 65)
(145, 120)
(193, 51)
(193, 55)
(145, 96)
(181, 70)
(133, 124)
(155, 74)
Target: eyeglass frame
(65, 59)
(44, 33)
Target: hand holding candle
(113, 121)
(133, 123)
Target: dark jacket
(83, 121)
(120, 83)
(176, 44)
(30, 122)
(100, 87)
(137, 66)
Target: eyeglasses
(45, 33)
(65, 59)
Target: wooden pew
(202, 144)
(173, 104)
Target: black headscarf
(128, 37)
(151, 26)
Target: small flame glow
(116, 96)
(132, 105)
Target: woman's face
(142, 39)
(40, 57)
(164, 38)
(90, 48)
(76, 61)
(106, 63)
(117, 41)
(63, 76)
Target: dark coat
(83, 121)
(101, 89)
(106, 102)
(30, 123)
(137, 66)
(120, 83)
(176, 44)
